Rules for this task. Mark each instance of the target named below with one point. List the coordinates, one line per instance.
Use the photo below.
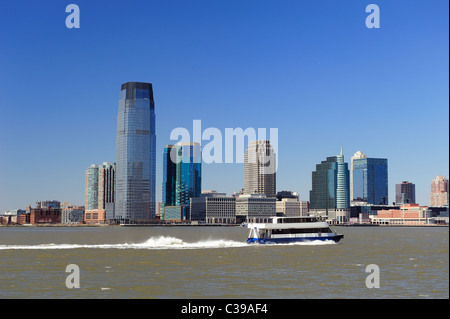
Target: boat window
(297, 220)
(301, 231)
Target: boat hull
(288, 240)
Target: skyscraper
(169, 177)
(188, 175)
(330, 192)
(99, 193)
(369, 179)
(260, 169)
(405, 193)
(135, 154)
(439, 191)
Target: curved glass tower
(135, 154)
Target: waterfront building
(43, 215)
(439, 192)
(369, 179)
(255, 207)
(188, 182)
(289, 207)
(212, 208)
(408, 214)
(169, 176)
(330, 194)
(174, 213)
(72, 215)
(135, 154)
(99, 193)
(260, 169)
(405, 193)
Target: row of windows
(302, 231)
(296, 220)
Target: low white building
(256, 207)
(292, 207)
(213, 208)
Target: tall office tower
(99, 193)
(188, 175)
(135, 154)
(405, 193)
(369, 179)
(169, 177)
(331, 188)
(357, 156)
(260, 169)
(439, 191)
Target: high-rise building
(135, 154)
(188, 182)
(439, 191)
(405, 193)
(369, 179)
(260, 169)
(99, 193)
(330, 194)
(169, 177)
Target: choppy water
(215, 262)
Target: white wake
(161, 242)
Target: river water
(215, 262)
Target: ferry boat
(291, 229)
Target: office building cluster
(124, 192)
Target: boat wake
(161, 242)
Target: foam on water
(161, 242)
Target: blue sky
(312, 69)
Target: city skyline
(378, 83)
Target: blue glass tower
(330, 185)
(370, 180)
(188, 175)
(169, 177)
(135, 154)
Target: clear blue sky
(309, 68)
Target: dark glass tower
(188, 175)
(370, 180)
(135, 154)
(330, 185)
(169, 177)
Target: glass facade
(135, 154)
(188, 174)
(169, 177)
(330, 185)
(370, 180)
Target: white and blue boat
(291, 229)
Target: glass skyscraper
(188, 175)
(369, 179)
(169, 177)
(135, 154)
(330, 185)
